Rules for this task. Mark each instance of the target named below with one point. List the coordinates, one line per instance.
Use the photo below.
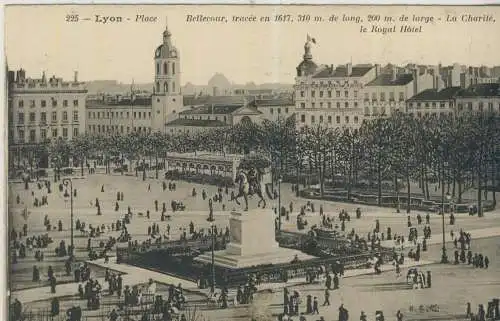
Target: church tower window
(157, 87)
(173, 86)
(165, 68)
(166, 87)
(173, 68)
(158, 68)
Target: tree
(60, 151)
(317, 141)
(377, 142)
(277, 139)
(80, 149)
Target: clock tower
(167, 97)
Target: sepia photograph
(252, 162)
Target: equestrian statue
(248, 185)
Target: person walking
(327, 298)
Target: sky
(39, 39)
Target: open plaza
(360, 290)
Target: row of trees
(458, 151)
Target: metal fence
(134, 313)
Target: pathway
(438, 238)
(132, 275)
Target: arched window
(173, 68)
(173, 87)
(165, 68)
(157, 86)
(158, 68)
(166, 87)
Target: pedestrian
(486, 262)
(54, 307)
(399, 315)
(327, 297)
(53, 283)
(309, 306)
(315, 306)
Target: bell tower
(167, 97)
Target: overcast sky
(38, 38)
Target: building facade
(433, 103)
(330, 96)
(119, 115)
(479, 98)
(167, 97)
(388, 92)
(275, 108)
(44, 109)
(214, 112)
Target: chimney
(415, 81)
(394, 73)
(12, 76)
(44, 78)
(349, 69)
(76, 76)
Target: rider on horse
(249, 185)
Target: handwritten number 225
(72, 18)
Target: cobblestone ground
(137, 196)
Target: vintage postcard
(253, 162)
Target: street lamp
(212, 287)
(66, 182)
(279, 203)
(444, 257)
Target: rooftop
(433, 94)
(196, 123)
(216, 100)
(341, 71)
(387, 80)
(274, 102)
(481, 90)
(123, 101)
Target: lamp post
(212, 287)
(279, 203)
(66, 182)
(444, 257)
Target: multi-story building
(476, 75)
(42, 109)
(275, 108)
(328, 95)
(458, 75)
(479, 98)
(455, 100)
(388, 92)
(433, 102)
(167, 97)
(214, 112)
(119, 115)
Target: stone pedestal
(252, 242)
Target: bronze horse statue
(248, 185)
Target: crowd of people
(91, 290)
